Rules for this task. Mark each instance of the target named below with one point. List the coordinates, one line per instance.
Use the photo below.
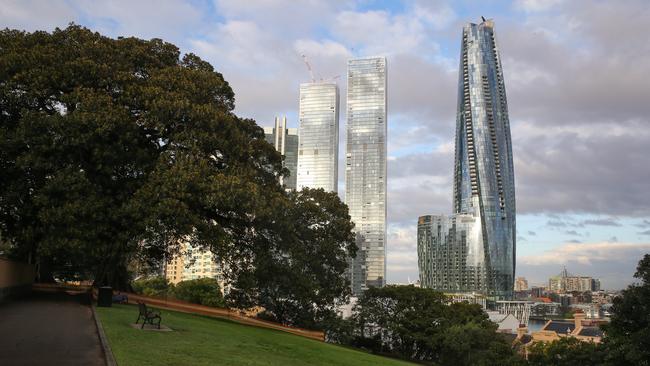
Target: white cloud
(536, 5)
(587, 253)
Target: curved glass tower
(474, 249)
(484, 184)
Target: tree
(120, 150)
(203, 291)
(566, 351)
(627, 336)
(297, 270)
(113, 149)
(417, 324)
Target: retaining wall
(16, 279)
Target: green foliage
(417, 324)
(203, 291)
(115, 149)
(628, 334)
(154, 286)
(566, 351)
(297, 269)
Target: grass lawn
(199, 340)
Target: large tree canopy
(119, 149)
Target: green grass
(200, 340)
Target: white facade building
(365, 170)
(318, 136)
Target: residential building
(318, 136)
(521, 284)
(479, 254)
(285, 141)
(365, 169)
(193, 263)
(565, 282)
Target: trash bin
(105, 296)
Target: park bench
(147, 315)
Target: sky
(576, 75)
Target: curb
(108, 354)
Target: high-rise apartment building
(483, 177)
(285, 141)
(318, 136)
(365, 169)
(193, 263)
(565, 282)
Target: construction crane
(311, 72)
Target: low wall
(233, 315)
(16, 279)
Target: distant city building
(564, 282)
(193, 263)
(474, 249)
(318, 136)
(365, 169)
(285, 141)
(595, 284)
(536, 291)
(521, 284)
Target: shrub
(153, 286)
(203, 291)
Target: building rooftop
(560, 326)
(591, 332)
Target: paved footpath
(49, 329)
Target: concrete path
(49, 329)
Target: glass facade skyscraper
(365, 169)
(318, 150)
(478, 256)
(285, 141)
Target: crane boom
(311, 72)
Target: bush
(154, 286)
(203, 291)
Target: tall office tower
(285, 141)
(484, 260)
(365, 170)
(318, 136)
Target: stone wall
(16, 278)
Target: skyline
(579, 141)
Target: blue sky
(575, 74)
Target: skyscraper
(318, 150)
(285, 141)
(483, 175)
(365, 169)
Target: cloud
(613, 262)
(602, 222)
(647, 232)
